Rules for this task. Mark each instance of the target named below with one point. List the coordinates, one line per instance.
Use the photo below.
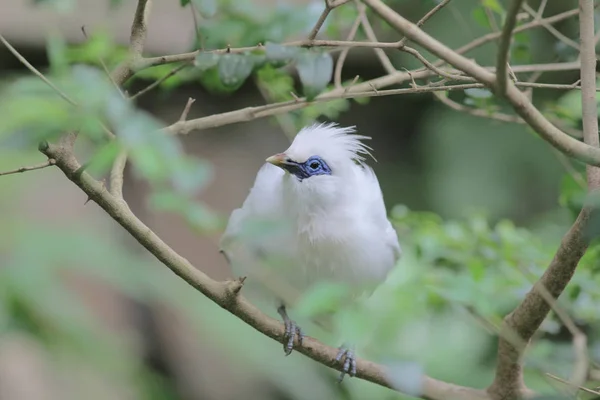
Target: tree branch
(430, 14)
(588, 84)
(173, 58)
(518, 100)
(383, 58)
(226, 294)
(504, 46)
(528, 316)
(365, 89)
(34, 70)
(48, 163)
(139, 30)
(339, 65)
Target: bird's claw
(292, 331)
(349, 359)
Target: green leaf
(277, 83)
(315, 70)
(280, 53)
(480, 17)
(493, 5)
(206, 61)
(234, 69)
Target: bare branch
(517, 99)
(339, 66)
(35, 71)
(541, 9)
(104, 67)
(528, 316)
(329, 6)
(139, 29)
(157, 82)
(48, 163)
(117, 175)
(186, 109)
(430, 14)
(504, 46)
(478, 112)
(433, 68)
(555, 32)
(225, 294)
(383, 58)
(590, 391)
(144, 63)
(588, 83)
(360, 90)
(533, 24)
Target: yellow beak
(278, 159)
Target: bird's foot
(346, 354)
(292, 331)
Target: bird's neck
(313, 202)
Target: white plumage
(315, 214)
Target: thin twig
(478, 112)
(588, 84)
(186, 109)
(144, 63)
(339, 65)
(139, 30)
(530, 25)
(195, 18)
(252, 113)
(328, 8)
(570, 384)
(552, 29)
(157, 82)
(430, 14)
(383, 58)
(47, 81)
(48, 163)
(104, 67)
(35, 71)
(541, 9)
(502, 59)
(518, 101)
(433, 68)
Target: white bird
(325, 221)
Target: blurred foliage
(437, 312)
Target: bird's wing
(374, 207)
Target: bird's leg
(349, 359)
(291, 331)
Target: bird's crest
(333, 140)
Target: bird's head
(322, 152)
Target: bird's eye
(315, 165)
